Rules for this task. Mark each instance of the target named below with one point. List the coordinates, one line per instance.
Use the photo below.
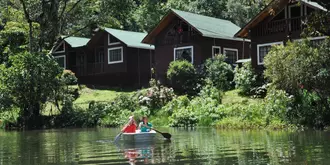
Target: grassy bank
(234, 112)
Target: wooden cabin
(113, 58)
(280, 21)
(69, 50)
(194, 37)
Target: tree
(241, 12)
(219, 72)
(300, 65)
(149, 13)
(28, 83)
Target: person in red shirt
(130, 127)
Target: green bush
(183, 77)
(303, 70)
(210, 91)
(277, 105)
(156, 96)
(245, 79)
(219, 72)
(69, 78)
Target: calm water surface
(199, 146)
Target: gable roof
(273, 6)
(131, 39)
(76, 42)
(207, 26)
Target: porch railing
(280, 26)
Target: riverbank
(110, 107)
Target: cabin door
(81, 66)
(295, 13)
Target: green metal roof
(76, 41)
(209, 26)
(314, 4)
(131, 39)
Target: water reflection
(137, 152)
(198, 146)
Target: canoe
(139, 136)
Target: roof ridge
(125, 30)
(175, 10)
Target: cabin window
(61, 61)
(115, 55)
(184, 53)
(231, 55)
(263, 50)
(216, 50)
(112, 40)
(60, 48)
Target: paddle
(165, 135)
(118, 137)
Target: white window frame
(267, 44)
(62, 56)
(63, 51)
(215, 47)
(122, 55)
(230, 49)
(185, 47)
(109, 42)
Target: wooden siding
(202, 49)
(133, 71)
(280, 30)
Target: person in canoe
(145, 126)
(130, 127)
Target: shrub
(309, 109)
(210, 91)
(183, 77)
(156, 96)
(245, 79)
(69, 78)
(277, 105)
(219, 72)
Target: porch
(284, 26)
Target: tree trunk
(30, 36)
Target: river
(194, 146)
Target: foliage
(302, 69)
(278, 105)
(69, 78)
(156, 96)
(31, 80)
(241, 11)
(219, 72)
(210, 91)
(182, 114)
(245, 79)
(183, 77)
(299, 65)
(309, 109)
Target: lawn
(98, 95)
(232, 97)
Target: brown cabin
(193, 37)
(280, 21)
(111, 58)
